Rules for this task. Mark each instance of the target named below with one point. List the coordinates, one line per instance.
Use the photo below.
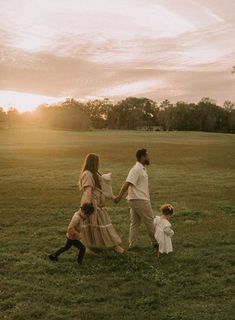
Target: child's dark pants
(69, 243)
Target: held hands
(124, 188)
(117, 199)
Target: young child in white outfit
(163, 231)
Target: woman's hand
(124, 188)
(117, 199)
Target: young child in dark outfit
(73, 233)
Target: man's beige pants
(140, 211)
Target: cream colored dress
(163, 234)
(97, 229)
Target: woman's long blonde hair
(91, 163)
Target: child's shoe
(155, 245)
(53, 257)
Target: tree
(132, 113)
(3, 116)
(67, 115)
(149, 112)
(98, 112)
(229, 105)
(125, 115)
(183, 116)
(13, 117)
(232, 121)
(163, 115)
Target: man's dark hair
(140, 153)
(87, 208)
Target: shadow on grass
(227, 209)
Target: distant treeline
(131, 114)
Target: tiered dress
(97, 229)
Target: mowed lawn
(39, 171)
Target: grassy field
(39, 171)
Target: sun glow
(24, 101)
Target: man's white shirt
(138, 177)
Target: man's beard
(147, 162)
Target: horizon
(178, 50)
(60, 101)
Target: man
(138, 198)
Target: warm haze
(175, 49)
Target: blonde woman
(97, 229)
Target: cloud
(132, 88)
(155, 48)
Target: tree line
(131, 114)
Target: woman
(97, 229)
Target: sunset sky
(85, 49)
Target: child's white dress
(163, 234)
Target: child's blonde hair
(167, 209)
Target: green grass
(39, 171)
